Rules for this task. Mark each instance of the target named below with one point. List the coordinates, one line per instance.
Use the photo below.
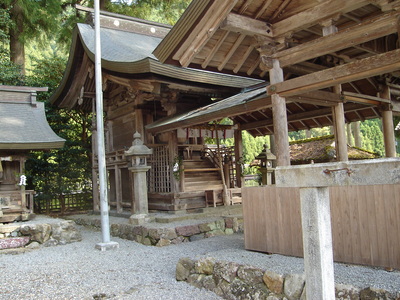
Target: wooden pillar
(279, 118)
(118, 188)
(238, 156)
(173, 153)
(339, 129)
(387, 126)
(355, 126)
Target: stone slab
(15, 242)
(363, 172)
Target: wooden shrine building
(323, 62)
(23, 127)
(271, 66)
(137, 91)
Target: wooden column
(387, 126)
(355, 126)
(279, 118)
(339, 127)
(238, 155)
(173, 153)
(118, 188)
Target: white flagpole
(105, 222)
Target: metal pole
(105, 223)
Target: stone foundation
(35, 234)
(235, 281)
(153, 234)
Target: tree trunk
(17, 49)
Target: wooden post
(173, 153)
(339, 129)
(118, 188)
(387, 126)
(279, 118)
(356, 133)
(238, 156)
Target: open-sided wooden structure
(23, 127)
(324, 62)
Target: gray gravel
(135, 271)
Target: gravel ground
(135, 271)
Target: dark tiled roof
(23, 124)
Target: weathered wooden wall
(365, 223)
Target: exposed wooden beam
(243, 59)
(352, 36)
(246, 25)
(365, 99)
(315, 15)
(214, 50)
(263, 9)
(203, 32)
(367, 67)
(327, 111)
(231, 51)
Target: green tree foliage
(162, 11)
(29, 20)
(372, 137)
(67, 169)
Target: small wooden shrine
(23, 127)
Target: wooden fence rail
(65, 203)
(365, 223)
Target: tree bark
(17, 48)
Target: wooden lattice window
(158, 177)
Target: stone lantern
(138, 154)
(266, 158)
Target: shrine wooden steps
(200, 175)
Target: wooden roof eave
(59, 96)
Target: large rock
(205, 266)
(184, 268)
(38, 232)
(293, 286)
(250, 275)
(274, 282)
(65, 232)
(188, 230)
(225, 271)
(376, 294)
(347, 292)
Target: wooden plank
(203, 32)
(314, 15)
(231, 51)
(246, 25)
(367, 67)
(367, 31)
(210, 56)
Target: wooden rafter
(262, 9)
(243, 59)
(353, 36)
(214, 50)
(202, 34)
(367, 67)
(246, 25)
(233, 49)
(315, 15)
